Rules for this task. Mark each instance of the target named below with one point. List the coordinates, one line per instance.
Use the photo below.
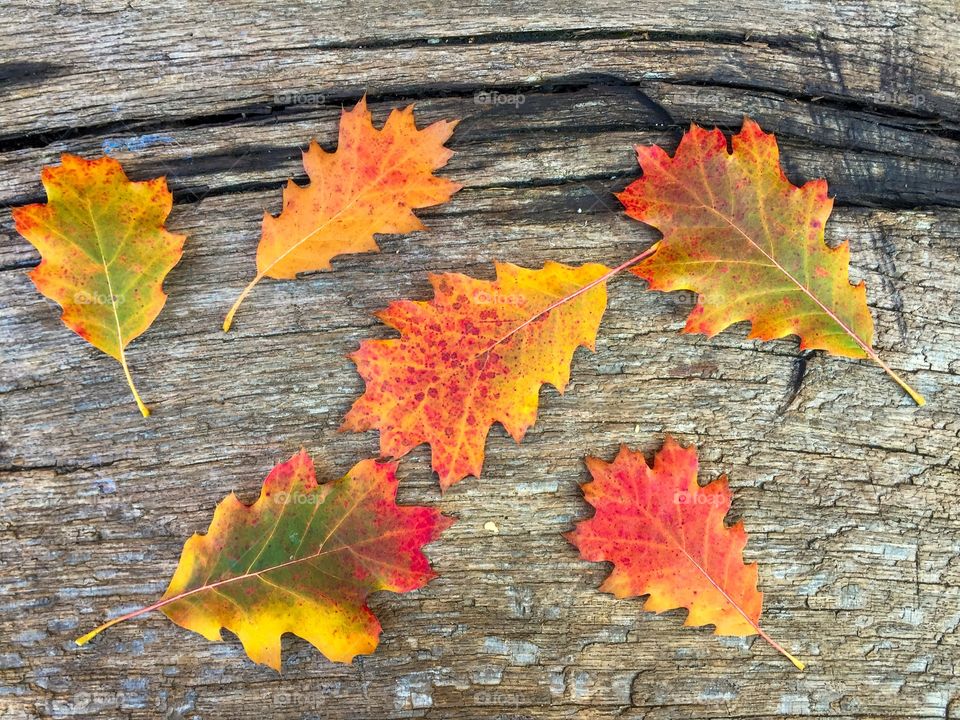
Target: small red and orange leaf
(370, 185)
(666, 538)
(736, 231)
(104, 251)
(476, 354)
(302, 559)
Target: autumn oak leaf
(666, 538)
(104, 251)
(370, 185)
(302, 559)
(736, 231)
(476, 354)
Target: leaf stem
(917, 397)
(83, 640)
(799, 664)
(228, 320)
(144, 410)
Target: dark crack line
(260, 110)
(797, 376)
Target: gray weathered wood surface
(849, 492)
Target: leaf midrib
(803, 288)
(106, 272)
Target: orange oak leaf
(104, 251)
(302, 559)
(370, 185)
(476, 354)
(737, 232)
(665, 536)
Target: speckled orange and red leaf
(302, 559)
(666, 538)
(104, 251)
(476, 354)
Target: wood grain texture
(849, 492)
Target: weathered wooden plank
(540, 138)
(848, 491)
(93, 68)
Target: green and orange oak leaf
(302, 559)
(370, 185)
(476, 354)
(736, 231)
(666, 538)
(104, 251)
